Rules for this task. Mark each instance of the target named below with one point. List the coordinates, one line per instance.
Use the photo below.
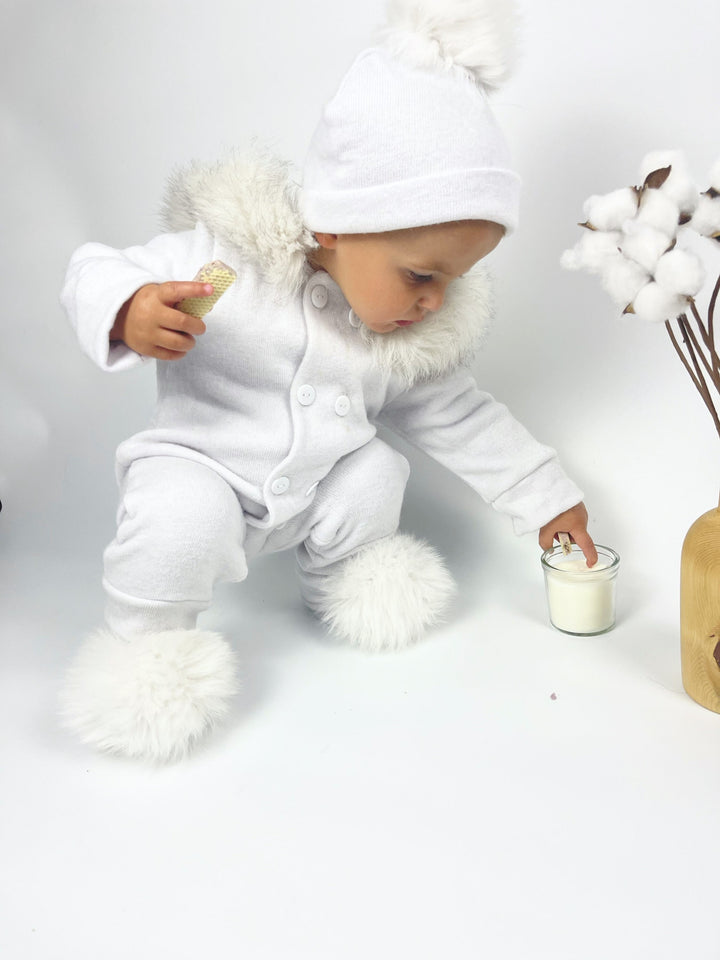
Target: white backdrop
(103, 100)
(100, 102)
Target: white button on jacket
(306, 395)
(281, 485)
(319, 296)
(342, 406)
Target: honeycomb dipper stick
(221, 276)
(565, 543)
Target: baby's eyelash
(419, 277)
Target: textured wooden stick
(565, 543)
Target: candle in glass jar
(581, 599)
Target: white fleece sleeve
(100, 279)
(478, 439)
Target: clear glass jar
(580, 599)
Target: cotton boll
(623, 279)
(655, 304)
(660, 211)
(658, 159)
(592, 251)
(644, 244)
(679, 186)
(706, 219)
(680, 272)
(570, 259)
(609, 211)
(682, 191)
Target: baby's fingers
(170, 318)
(583, 539)
(173, 291)
(171, 344)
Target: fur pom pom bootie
(149, 697)
(385, 595)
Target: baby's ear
(327, 240)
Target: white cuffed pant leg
(358, 502)
(152, 684)
(180, 531)
(375, 588)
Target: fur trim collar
(250, 202)
(445, 339)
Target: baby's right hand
(150, 324)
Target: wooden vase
(700, 610)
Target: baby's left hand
(574, 522)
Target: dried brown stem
(683, 358)
(682, 322)
(693, 348)
(704, 333)
(694, 345)
(711, 310)
(696, 377)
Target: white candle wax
(581, 599)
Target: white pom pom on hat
(440, 34)
(409, 138)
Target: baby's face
(394, 279)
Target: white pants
(182, 529)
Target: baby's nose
(432, 299)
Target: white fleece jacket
(286, 380)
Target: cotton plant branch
(635, 240)
(697, 376)
(711, 311)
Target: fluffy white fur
(450, 336)
(384, 596)
(150, 697)
(250, 202)
(477, 35)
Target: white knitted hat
(409, 138)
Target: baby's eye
(419, 277)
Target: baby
(357, 302)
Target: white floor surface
(501, 790)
